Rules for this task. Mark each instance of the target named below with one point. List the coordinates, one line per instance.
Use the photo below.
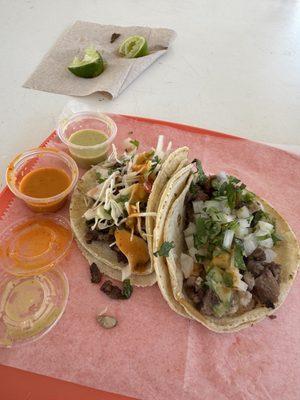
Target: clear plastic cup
(34, 159)
(35, 244)
(78, 117)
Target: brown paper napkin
(52, 74)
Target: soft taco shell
(172, 190)
(100, 250)
(287, 255)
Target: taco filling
(117, 204)
(228, 259)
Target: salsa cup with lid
(43, 178)
(86, 132)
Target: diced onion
(189, 241)
(190, 230)
(243, 212)
(265, 226)
(228, 237)
(187, 264)
(240, 233)
(222, 176)
(270, 255)
(244, 223)
(245, 298)
(198, 206)
(193, 252)
(250, 244)
(268, 243)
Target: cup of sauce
(88, 135)
(43, 178)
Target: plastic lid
(34, 244)
(30, 306)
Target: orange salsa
(44, 183)
(35, 244)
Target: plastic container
(30, 306)
(33, 245)
(78, 117)
(41, 158)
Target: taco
(114, 206)
(232, 258)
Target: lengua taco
(231, 257)
(114, 207)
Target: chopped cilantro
(122, 199)
(100, 178)
(238, 257)
(135, 143)
(193, 189)
(199, 258)
(227, 278)
(201, 175)
(164, 249)
(201, 235)
(127, 289)
(275, 237)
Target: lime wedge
(90, 66)
(134, 47)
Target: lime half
(90, 66)
(134, 47)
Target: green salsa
(91, 153)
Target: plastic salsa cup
(35, 244)
(33, 289)
(88, 135)
(43, 178)
(30, 306)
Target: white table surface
(234, 66)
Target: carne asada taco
(114, 205)
(232, 257)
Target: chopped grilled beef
(91, 236)
(249, 279)
(200, 195)
(257, 255)
(189, 214)
(114, 292)
(105, 235)
(255, 267)
(194, 292)
(95, 273)
(207, 186)
(266, 288)
(275, 269)
(210, 299)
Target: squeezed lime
(90, 66)
(134, 47)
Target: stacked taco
(225, 257)
(114, 207)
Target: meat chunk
(249, 279)
(266, 288)
(194, 292)
(255, 267)
(189, 213)
(275, 269)
(91, 236)
(210, 299)
(257, 255)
